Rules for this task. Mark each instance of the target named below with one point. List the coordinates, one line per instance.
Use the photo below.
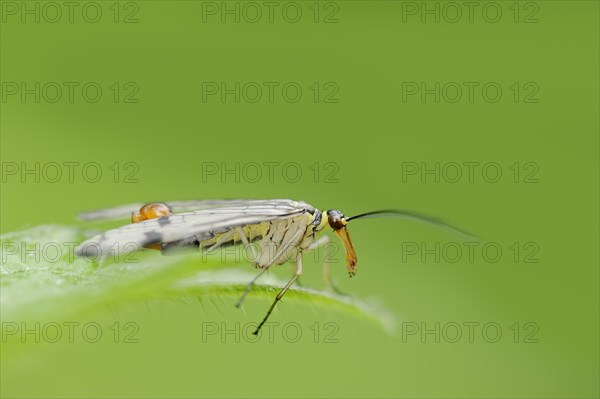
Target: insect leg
(298, 281)
(247, 244)
(224, 238)
(282, 292)
(329, 280)
(323, 241)
(265, 268)
(251, 284)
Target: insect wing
(203, 223)
(125, 211)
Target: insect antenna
(410, 215)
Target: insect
(274, 231)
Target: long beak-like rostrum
(350, 253)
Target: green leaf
(41, 279)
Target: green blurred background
(162, 129)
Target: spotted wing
(203, 224)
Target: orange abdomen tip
(150, 211)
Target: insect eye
(151, 211)
(336, 219)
